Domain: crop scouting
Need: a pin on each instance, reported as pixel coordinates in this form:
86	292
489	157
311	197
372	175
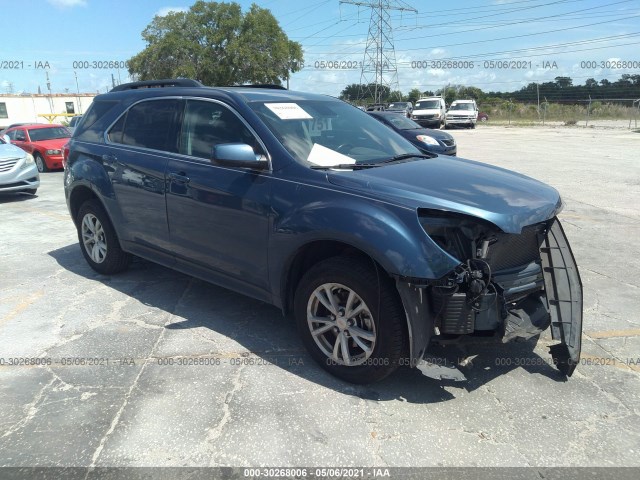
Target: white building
40	108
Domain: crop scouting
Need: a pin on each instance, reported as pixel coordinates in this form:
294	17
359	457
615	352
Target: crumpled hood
8	151
505	198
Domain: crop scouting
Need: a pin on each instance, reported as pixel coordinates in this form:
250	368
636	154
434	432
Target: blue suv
377	249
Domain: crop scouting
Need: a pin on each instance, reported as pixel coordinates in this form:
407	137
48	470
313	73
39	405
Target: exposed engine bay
506	286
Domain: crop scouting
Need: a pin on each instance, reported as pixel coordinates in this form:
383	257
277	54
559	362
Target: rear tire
40	163
357	319
98	240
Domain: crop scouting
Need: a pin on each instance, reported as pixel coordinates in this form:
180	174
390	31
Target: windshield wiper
405	156
357	166
345	166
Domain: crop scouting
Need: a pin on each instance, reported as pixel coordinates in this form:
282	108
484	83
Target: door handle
180	177
109	159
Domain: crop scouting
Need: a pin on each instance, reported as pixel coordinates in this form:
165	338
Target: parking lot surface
155	368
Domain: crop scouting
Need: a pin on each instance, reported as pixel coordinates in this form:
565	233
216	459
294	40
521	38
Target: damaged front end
506	286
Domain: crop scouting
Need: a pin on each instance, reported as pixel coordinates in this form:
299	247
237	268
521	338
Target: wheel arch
78	196
311	254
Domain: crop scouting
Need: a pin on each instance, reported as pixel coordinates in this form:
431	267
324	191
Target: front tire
98	240
40	163
350	319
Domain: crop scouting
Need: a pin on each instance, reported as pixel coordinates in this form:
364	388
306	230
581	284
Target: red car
44	142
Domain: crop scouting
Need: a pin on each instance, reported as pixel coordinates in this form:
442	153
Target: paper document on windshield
288	111
325	157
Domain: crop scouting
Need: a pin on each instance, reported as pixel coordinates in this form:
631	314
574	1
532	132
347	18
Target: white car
462	113
18	171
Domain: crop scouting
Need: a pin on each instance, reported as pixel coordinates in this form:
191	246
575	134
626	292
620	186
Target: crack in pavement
30	409
216	431
127	396
608	277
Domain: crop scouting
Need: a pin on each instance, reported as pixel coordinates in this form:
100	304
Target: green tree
215	43
364	94
414	95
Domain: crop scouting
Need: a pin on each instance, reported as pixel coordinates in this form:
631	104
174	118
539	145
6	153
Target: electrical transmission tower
379	67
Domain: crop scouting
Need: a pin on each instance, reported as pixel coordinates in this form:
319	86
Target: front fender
389	234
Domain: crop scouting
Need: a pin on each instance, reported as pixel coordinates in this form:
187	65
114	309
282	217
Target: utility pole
49	88
78	90
113	81
379	67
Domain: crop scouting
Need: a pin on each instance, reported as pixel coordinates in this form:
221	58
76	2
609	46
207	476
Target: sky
496	45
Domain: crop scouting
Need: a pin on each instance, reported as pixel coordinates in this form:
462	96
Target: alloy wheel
93	238
341	324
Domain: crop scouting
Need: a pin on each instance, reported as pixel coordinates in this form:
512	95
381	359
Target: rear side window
149	124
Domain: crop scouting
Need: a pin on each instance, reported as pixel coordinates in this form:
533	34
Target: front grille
513	250
449	143
8	164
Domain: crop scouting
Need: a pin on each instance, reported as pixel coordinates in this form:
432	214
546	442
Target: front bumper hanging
564	296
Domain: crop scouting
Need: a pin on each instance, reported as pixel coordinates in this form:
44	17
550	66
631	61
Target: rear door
136	157
219	216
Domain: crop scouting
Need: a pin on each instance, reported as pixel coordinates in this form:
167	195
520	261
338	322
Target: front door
219	216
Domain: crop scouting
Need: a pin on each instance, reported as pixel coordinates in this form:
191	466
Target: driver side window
207	124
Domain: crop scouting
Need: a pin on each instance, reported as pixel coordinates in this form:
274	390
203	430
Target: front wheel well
80	195
309	255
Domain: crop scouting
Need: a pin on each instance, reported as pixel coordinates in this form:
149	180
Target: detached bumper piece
564	296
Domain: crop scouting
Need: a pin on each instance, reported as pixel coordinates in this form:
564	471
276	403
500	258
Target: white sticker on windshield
288	111
326	157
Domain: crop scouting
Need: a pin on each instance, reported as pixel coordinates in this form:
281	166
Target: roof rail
167	82
262	85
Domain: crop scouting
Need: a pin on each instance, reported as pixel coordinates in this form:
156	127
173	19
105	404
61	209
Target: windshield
462	106
51	133
398	106
401	123
320	132
427	104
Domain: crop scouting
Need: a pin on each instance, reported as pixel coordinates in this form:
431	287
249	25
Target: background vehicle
426	139
307	203
462	113
376	107
402	107
18	172
483	117
429	112
4	130
44	142
73	122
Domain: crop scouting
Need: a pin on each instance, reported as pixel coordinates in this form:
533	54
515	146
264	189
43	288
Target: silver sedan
18	171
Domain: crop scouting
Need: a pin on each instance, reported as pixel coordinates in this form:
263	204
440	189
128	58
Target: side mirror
237	155
6	138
